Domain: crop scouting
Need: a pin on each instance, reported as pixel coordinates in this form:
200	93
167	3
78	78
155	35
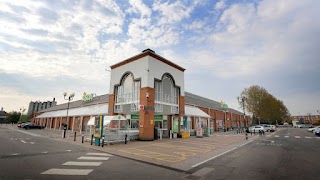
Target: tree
263	105
14	117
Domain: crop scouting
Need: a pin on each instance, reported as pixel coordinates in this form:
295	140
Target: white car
313	129
256	129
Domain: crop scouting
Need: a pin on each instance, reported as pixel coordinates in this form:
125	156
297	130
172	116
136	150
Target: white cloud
252	39
172	13
139	7
195	25
220	5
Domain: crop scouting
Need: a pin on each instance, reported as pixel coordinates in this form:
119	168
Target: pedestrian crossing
89	160
296	137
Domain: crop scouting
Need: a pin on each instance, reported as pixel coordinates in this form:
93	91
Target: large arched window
166	94
128	92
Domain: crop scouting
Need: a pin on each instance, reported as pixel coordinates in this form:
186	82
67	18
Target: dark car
32	126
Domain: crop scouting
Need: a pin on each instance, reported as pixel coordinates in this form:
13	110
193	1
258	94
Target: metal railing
127	98
120	135
166	98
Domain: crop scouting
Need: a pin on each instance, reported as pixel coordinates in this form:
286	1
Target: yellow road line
153	155
183	148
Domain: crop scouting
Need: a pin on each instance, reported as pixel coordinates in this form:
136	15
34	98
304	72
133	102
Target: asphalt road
28	156
286	154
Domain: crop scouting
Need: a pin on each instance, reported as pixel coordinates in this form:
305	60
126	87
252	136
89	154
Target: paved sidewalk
181	154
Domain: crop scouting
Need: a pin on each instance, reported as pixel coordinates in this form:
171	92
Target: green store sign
175	125
87	97
135	116
156	117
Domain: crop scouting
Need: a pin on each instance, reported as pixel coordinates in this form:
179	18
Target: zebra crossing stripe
297	136
98	154
75	163
286	136
93	158
75	172
307	137
276	136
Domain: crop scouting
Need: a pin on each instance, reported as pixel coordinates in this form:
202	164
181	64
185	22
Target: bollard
64	133
102	143
91	138
254	132
251	133
246	136
125	139
82	137
75	136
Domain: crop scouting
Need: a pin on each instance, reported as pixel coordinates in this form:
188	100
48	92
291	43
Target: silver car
256	128
267	127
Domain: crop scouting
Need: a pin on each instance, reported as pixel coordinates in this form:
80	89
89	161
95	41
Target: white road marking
276	136
93	158
23	141
75	163
308	137
220	154
268	135
297	136
31	142
68	150
317	137
45	152
79	172
270	141
15	154
286	136
98	154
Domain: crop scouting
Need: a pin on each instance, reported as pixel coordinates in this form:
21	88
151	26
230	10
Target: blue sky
48	47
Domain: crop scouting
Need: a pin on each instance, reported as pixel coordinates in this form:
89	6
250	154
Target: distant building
39	106
3	116
306	119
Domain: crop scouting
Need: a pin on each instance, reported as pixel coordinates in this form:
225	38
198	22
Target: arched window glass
128	84
167	85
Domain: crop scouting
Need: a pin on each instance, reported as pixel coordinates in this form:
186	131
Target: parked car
313	129
267	127
19	124
32	126
256	129
317	132
24	124
308	126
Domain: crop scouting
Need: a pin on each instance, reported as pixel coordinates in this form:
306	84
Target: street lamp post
309	114
22	110
242	99
71	96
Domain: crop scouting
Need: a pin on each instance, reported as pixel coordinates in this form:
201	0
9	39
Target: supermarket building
148	90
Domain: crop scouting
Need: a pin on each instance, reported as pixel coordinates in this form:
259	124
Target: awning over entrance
195	111
99	109
107	119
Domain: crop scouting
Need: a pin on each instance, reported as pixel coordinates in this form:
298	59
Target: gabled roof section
79	103
148	52
196	100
